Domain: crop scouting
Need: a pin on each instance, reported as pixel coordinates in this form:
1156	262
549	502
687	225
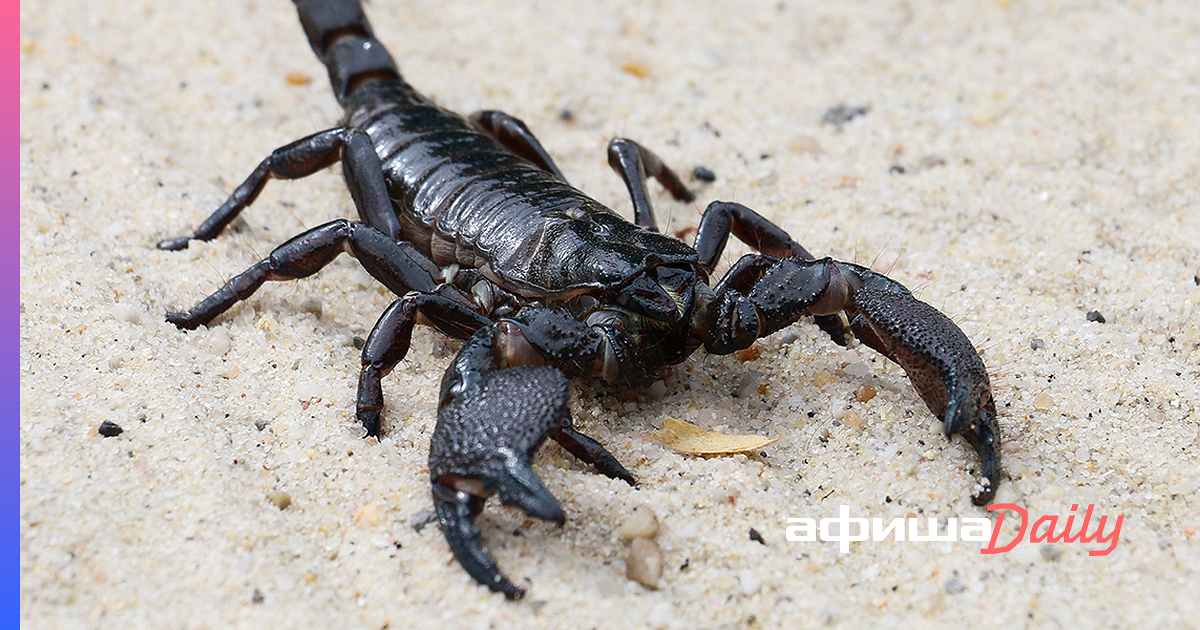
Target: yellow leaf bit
686	437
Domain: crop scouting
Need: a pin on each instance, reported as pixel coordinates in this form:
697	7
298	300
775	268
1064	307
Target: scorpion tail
341	36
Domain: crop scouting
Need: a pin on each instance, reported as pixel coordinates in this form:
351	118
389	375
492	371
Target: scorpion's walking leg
512	133
763	294
634	163
498	404
447	309
363	171
399	266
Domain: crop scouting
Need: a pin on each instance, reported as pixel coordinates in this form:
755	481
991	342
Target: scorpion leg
763	295
363	171
513	134
498	405
634	163
399	266
447	309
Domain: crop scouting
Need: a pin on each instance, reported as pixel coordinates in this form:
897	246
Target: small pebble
1043	402
219	342
756	537
1037	344
953	585
642	523
109	429
229	371
256	597
1095	316
1051	552
842	114
704	174
657	390
423	518
280	498
644	565
370	515
864	392
852	420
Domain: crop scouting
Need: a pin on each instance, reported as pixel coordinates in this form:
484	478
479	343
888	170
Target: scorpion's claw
488	429
940	361
456	511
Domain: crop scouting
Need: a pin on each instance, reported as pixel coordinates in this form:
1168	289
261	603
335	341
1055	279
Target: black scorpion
470	222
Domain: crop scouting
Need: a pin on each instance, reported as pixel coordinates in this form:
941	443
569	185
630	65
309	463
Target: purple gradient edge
10	285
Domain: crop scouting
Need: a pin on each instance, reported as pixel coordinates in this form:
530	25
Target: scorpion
472	225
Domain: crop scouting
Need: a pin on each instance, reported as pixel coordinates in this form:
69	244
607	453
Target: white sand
1052	160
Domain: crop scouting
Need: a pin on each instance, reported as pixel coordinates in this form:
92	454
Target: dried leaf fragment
686	437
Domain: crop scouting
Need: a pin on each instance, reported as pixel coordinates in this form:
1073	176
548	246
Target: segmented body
463	198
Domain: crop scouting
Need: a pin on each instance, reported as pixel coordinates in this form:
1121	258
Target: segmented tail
340	34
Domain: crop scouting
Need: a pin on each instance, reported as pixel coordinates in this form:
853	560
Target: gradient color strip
10	288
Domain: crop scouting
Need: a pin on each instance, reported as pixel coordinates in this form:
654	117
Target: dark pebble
1095	316
842	114
896	169
704	174
109	429
756	537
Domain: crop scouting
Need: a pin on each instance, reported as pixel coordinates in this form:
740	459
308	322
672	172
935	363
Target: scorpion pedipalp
761	294
940	361
490	423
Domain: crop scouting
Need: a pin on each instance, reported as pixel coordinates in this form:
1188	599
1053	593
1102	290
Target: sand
1051	163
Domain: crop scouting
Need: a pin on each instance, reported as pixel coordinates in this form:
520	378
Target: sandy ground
1051	163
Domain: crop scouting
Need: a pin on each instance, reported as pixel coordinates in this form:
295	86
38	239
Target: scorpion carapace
471	224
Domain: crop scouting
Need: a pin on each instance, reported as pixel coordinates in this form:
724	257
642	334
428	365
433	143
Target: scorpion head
663	293
646	273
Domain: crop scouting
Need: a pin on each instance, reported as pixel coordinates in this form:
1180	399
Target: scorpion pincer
471	224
